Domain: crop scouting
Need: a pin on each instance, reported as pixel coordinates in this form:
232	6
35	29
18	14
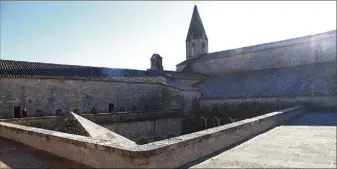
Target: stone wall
169	153
71	125
198	48
188	97
46	122
190	147
310	102
144	132
139	127
186	82
171	98
142	127
212	113
304	53
53	97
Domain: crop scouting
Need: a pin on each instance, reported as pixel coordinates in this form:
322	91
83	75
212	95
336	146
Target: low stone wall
137	126
188	148
110	118
315	101
46	122
169	153
49	122
85	150
148	131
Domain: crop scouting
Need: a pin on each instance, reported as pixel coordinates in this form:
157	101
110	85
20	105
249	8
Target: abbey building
298	70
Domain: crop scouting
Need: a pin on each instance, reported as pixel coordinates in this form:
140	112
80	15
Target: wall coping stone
115	116
266	97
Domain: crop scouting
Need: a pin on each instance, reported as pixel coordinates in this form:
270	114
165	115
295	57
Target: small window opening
111	107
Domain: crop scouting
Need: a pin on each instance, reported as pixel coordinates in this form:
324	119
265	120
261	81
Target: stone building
204	86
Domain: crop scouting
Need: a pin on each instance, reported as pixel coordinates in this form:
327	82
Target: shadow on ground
16	155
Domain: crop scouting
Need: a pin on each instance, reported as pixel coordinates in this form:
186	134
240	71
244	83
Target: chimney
156	63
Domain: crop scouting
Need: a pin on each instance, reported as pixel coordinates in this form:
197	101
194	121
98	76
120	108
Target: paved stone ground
15	155
305	142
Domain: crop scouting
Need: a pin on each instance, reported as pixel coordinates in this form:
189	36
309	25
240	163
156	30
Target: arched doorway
216	121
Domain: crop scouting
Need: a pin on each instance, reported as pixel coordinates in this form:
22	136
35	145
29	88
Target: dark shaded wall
211	113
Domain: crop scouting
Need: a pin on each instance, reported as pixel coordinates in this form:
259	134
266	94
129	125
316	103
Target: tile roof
183	75
260	47
181	86
306	80
185	84
22	69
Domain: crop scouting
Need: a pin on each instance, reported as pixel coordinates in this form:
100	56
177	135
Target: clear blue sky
126	34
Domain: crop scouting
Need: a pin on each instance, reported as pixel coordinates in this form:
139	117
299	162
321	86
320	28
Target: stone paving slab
304	142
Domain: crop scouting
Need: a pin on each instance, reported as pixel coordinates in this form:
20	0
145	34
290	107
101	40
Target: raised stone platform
305	142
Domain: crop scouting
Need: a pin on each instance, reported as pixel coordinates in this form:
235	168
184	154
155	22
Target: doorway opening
17	112
111	107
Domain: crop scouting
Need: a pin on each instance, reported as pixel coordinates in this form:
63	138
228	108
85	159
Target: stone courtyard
305	142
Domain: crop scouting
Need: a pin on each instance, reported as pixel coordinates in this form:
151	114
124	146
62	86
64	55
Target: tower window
318	54
192	48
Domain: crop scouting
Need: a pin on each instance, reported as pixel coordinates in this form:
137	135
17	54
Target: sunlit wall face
113	33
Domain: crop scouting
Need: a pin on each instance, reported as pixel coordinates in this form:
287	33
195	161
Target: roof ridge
263	46
78	66
275	68
283	40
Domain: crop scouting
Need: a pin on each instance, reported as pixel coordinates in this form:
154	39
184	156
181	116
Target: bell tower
196	40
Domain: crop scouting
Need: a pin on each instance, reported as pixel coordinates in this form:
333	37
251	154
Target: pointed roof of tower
196	29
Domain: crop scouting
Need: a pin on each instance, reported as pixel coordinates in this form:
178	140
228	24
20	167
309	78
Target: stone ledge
153	147
232	133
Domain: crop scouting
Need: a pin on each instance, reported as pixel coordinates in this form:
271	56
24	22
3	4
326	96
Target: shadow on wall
315	119
145	105
93	110
204	117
